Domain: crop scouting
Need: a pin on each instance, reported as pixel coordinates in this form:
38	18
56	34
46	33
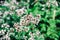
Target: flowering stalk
54	14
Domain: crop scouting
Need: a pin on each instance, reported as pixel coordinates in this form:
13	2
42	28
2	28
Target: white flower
5	25
7	12
12	7
30	16
16	25
6	37
20	11
31	34
48	4
55	3
31	38
25	20
37	32
13	1
22	22
2	32
6	4
35	21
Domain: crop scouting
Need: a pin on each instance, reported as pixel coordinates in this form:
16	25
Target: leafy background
49	24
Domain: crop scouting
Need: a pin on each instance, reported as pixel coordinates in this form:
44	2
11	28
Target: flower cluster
29	20
49	3
25	20
3	36
20	11
34	35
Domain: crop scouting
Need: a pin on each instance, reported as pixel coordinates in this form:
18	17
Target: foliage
48	27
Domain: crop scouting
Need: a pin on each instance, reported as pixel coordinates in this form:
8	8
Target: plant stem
54	14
